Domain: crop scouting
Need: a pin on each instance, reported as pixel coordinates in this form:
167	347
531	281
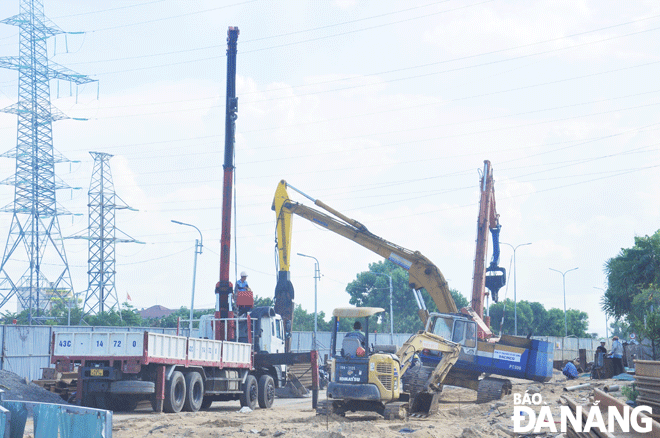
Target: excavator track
491	389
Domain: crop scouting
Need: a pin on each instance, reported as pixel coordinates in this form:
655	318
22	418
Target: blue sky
384	110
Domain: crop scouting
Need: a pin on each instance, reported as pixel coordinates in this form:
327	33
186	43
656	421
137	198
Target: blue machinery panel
53	420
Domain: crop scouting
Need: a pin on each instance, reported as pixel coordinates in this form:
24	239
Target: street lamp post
607	334
515	300
317	276
563	274
198	250
391	311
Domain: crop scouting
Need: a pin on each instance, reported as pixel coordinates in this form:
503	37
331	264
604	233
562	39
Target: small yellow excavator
379	378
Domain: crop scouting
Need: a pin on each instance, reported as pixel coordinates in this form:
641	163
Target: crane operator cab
364	377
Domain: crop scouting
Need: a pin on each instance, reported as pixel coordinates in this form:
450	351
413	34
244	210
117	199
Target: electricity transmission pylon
102	235
35	226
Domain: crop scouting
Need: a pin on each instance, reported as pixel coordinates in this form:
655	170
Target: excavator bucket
496	280
424	404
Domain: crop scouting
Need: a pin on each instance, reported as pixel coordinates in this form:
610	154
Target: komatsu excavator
509	356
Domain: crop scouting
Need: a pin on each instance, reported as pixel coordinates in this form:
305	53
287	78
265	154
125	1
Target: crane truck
510	356
238	355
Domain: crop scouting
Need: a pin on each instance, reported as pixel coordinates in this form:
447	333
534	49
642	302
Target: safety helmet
243	274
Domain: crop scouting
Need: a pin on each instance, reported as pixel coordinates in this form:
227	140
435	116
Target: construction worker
242	285
617	356
357	332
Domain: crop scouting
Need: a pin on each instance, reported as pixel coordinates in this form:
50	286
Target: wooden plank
605	400
647	368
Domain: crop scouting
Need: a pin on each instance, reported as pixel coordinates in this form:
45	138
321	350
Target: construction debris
63	384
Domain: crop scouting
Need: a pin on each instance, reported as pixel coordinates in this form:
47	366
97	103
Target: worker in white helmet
242	283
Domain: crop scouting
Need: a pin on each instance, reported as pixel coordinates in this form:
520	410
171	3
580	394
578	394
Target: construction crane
488	220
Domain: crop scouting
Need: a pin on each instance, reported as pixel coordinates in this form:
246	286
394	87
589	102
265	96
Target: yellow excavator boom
422	273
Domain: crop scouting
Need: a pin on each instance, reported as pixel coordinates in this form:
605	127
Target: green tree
645	318
127	316
459	299
577	323
371	290
534	319
523	310
633	289
304	322
620	328
265	301
628	274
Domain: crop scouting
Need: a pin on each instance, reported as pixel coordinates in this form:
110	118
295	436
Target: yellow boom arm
422	273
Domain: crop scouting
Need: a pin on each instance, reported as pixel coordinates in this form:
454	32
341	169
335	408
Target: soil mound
17	388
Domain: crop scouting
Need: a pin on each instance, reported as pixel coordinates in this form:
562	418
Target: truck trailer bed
145	348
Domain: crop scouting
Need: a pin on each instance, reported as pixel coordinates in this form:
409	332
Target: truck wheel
266	391
207	402
194	392
249	395
175	393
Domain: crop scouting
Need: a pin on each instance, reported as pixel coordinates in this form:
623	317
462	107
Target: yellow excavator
378	378
510	356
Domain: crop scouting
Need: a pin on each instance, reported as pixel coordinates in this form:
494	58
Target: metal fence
25	350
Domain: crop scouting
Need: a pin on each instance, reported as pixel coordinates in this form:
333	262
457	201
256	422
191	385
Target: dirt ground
459	416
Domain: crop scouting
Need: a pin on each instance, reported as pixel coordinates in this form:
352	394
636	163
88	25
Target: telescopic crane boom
224	289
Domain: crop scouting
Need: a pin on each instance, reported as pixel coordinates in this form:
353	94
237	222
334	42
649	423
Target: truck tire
207	402
175	393
194	392
266	391
249	395
132	387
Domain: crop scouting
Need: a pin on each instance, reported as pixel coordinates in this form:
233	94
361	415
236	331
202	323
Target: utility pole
198	250
563	275
102	236
317	276
35	225
515	299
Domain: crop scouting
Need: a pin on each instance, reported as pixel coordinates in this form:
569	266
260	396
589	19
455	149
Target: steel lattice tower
103	202
35	226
